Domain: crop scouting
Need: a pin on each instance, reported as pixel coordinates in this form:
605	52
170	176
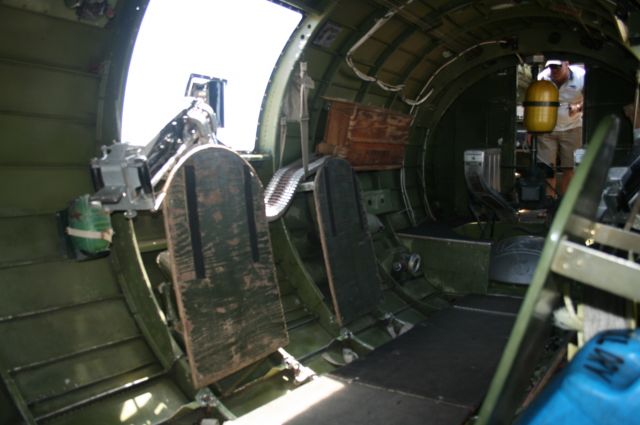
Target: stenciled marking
604	364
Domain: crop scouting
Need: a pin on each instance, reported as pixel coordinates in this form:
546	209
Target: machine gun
126	176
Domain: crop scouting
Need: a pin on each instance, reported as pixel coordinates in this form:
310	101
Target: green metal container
89	226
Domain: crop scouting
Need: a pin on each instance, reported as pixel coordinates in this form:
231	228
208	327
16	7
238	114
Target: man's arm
575	108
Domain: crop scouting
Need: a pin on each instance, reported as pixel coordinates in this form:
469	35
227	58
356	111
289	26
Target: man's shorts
568	141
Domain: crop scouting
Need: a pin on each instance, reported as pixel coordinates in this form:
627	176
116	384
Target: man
567	134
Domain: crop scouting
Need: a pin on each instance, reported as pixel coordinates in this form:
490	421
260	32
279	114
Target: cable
420	100
395	88
405	195
363	39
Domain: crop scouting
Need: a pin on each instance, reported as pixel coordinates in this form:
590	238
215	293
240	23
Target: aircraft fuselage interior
413	237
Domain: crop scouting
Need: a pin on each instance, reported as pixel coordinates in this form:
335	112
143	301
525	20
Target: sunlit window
238	41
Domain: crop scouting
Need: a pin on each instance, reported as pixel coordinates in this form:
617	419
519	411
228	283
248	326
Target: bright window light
238	41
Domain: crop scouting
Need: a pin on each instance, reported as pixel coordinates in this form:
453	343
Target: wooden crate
369	137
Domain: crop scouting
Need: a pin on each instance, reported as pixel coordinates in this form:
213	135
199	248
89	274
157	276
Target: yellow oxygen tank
541	107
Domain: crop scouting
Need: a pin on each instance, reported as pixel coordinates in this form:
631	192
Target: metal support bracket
598	269
394	326
204	399
347	335
17	397
593	232
306	187
301	372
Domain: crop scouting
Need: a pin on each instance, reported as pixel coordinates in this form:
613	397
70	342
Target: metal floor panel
437	373
450	357
336	402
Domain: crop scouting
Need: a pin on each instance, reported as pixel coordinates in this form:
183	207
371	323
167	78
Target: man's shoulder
577	71
545	74
576	81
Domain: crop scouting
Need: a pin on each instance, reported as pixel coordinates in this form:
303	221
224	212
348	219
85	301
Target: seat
347	247
222	264
514	259
482	174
